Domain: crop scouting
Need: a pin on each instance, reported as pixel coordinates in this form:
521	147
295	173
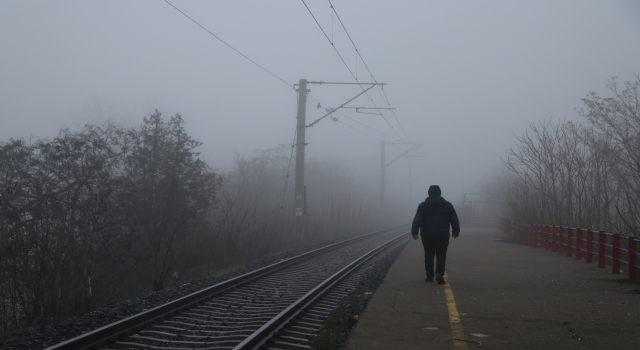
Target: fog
107	194
464	77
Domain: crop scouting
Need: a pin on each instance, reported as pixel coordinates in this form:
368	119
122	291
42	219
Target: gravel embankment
336	332
56	333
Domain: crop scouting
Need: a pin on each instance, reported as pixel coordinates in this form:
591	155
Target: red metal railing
579	242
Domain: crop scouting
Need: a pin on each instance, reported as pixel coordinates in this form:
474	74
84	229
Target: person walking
432	219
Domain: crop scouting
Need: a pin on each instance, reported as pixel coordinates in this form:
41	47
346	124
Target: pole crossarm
339	83
367	108
342	105
403	143
362	108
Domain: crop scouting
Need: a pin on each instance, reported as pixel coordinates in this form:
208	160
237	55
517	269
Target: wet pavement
506	296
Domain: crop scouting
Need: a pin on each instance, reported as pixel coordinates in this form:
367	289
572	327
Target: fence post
602	240
578	243
549	237
589	246
633	273
560	241
539	236
569	240
554	239
615	254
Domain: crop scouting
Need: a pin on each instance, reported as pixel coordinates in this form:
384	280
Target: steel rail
100	335
264	333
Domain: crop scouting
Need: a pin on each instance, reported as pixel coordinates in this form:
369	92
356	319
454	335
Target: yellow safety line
454	317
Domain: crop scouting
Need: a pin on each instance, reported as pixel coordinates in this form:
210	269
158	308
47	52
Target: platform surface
516	296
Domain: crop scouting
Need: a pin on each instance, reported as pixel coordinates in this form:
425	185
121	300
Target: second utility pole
300	202
382	168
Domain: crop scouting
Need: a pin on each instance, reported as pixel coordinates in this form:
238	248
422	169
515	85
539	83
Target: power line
231	47
346	116
286	181
282	80
358	130
326	36
369	70
345	63
354	44
394	114
348	132
366	126
316	103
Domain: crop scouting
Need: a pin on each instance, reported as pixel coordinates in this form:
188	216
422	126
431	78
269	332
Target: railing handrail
574	241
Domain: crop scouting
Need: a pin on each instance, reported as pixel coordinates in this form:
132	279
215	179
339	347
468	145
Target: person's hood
435	201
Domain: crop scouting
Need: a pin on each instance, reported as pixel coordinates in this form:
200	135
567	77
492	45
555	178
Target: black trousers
435	246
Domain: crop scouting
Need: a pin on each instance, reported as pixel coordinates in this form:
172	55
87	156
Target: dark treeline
581	175
106	213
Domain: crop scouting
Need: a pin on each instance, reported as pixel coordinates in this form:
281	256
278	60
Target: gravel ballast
339	325
56	333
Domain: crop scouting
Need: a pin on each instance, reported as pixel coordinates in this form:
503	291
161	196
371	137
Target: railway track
280	306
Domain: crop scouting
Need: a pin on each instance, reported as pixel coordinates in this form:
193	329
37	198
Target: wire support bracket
332	110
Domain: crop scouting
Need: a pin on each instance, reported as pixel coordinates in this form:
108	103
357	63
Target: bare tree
589	176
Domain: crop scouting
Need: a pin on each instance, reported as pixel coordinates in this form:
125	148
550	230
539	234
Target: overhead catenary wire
262	68
330	40
358	130
350	39
368	127
228	45
326	36
347	131
345	63
394	114
367	67
286	181
346	116
316	103
289	85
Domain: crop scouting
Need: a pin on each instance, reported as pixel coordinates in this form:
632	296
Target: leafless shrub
108	213
588	176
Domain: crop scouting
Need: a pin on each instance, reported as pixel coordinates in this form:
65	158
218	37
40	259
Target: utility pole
299	199
382	168
300	196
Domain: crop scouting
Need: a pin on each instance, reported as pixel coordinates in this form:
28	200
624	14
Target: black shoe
439	278
428	279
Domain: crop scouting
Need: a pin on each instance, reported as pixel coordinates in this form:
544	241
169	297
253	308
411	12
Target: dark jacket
433	218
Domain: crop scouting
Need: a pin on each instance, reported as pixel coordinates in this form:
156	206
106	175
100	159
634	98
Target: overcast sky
464	76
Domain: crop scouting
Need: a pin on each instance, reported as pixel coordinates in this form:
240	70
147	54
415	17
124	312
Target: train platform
502	295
